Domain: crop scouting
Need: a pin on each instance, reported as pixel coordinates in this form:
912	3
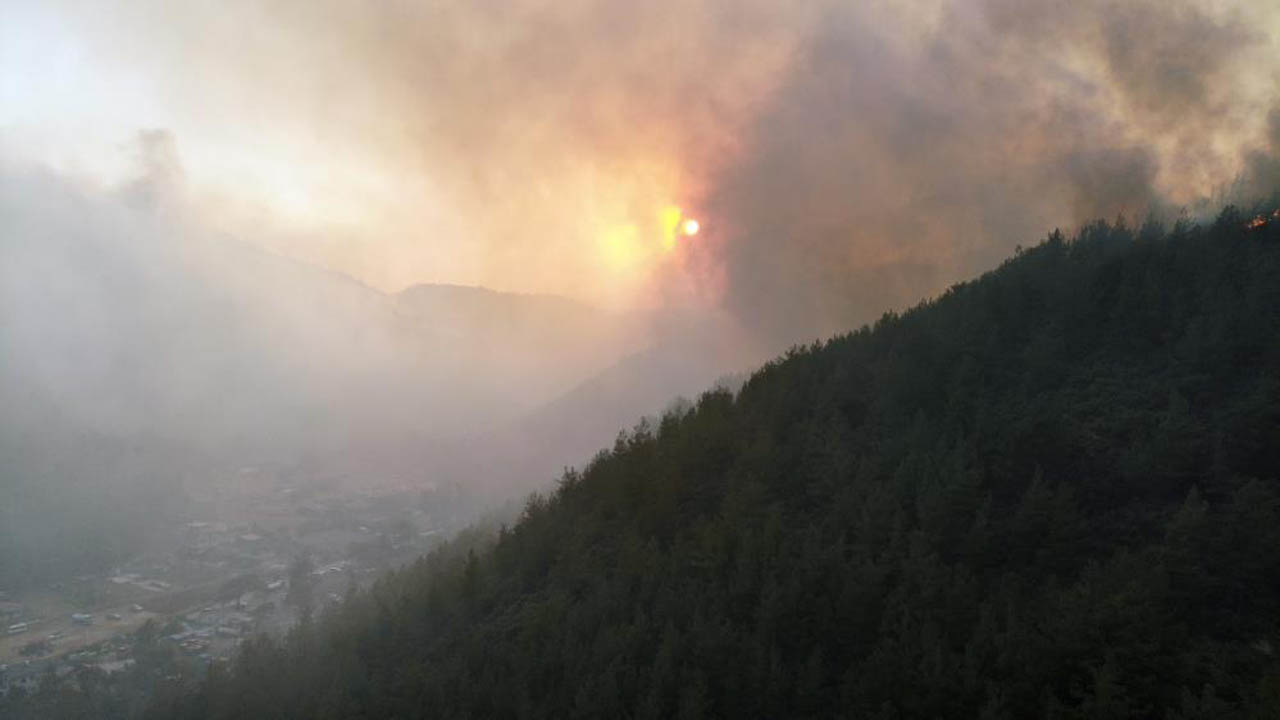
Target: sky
840	157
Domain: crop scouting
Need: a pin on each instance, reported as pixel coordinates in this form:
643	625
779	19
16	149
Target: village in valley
252	556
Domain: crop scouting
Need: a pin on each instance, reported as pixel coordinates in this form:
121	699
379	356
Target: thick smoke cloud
893	160
126	318
845	157
849	157
496	143
1263	170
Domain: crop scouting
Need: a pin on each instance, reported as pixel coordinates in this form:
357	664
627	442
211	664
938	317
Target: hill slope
1051	492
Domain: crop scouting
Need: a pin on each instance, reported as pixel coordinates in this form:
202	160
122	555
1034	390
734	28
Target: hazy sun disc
690	227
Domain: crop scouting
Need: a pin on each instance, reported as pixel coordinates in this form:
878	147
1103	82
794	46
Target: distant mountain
1051	492
136	347
538	346
465	307
528	452
130	321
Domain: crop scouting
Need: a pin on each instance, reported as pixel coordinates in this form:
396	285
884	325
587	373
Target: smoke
844	157
1262	177
847	157
897	158
126	317
496	143
159	178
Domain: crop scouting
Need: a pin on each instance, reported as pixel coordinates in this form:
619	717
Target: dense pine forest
1051	492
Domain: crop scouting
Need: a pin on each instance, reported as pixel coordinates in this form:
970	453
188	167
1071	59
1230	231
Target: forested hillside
1051	492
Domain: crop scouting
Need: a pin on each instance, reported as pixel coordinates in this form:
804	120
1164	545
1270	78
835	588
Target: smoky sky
883	171
845	157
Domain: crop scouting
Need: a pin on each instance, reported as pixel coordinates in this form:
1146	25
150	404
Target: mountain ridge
1050	492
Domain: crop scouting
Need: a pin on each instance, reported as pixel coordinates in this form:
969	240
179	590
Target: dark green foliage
1051	492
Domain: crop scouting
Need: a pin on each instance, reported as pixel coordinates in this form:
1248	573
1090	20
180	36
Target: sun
674	224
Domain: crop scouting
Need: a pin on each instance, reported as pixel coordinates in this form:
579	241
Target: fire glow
1261	220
